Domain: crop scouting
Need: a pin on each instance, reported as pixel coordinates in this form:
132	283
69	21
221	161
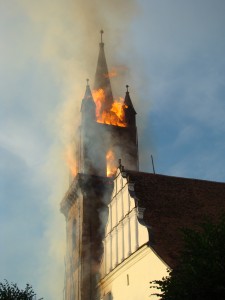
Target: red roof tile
173	203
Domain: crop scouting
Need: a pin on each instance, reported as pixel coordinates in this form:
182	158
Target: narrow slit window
128	279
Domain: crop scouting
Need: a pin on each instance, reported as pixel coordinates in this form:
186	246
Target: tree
200	273
10	291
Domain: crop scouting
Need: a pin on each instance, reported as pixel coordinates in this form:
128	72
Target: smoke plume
68	33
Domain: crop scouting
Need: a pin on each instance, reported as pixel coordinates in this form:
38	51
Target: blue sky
173	54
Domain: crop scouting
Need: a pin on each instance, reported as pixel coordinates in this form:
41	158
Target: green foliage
10	291
200	274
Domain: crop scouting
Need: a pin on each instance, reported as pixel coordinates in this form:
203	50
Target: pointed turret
88	133
129	110
88	107
102	80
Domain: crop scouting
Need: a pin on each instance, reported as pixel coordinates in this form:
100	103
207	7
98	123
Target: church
123	225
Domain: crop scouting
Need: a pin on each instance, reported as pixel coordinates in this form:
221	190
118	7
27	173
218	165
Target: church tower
107	133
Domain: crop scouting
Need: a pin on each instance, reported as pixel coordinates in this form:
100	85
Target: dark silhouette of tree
200	273
10	291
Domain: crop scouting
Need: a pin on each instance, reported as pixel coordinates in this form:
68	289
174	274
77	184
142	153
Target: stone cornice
70	196
84	183
131	188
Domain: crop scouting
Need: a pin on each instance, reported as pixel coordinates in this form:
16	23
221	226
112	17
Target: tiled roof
173	203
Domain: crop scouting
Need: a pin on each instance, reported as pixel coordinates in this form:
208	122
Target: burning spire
108	110
100	146
102	81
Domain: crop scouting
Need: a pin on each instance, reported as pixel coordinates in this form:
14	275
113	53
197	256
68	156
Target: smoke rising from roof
68	33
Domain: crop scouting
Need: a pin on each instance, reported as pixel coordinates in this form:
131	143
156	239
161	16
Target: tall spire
129	110
88	105
88	94
102	80
128	102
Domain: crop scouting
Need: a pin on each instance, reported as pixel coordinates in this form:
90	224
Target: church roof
171	203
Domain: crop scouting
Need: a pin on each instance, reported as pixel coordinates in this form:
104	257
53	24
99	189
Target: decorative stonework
123	233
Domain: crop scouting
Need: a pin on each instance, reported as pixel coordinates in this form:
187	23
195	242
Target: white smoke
68	32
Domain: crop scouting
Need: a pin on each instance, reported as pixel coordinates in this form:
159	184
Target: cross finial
101	32
127	86
87	81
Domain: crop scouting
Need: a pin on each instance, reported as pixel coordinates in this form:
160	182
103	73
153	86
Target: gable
123	234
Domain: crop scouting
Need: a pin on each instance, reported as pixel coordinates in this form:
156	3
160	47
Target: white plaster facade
128	263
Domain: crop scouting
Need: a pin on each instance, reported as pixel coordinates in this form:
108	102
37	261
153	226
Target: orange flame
116	71
115	116
110	164
99	98
111	74
71	161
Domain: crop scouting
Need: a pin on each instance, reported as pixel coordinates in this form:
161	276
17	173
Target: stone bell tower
85	203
